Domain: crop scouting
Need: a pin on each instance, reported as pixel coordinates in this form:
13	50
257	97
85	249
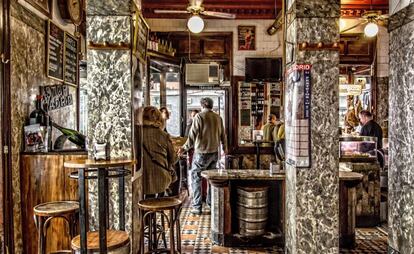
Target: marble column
312	194
382	91
109	90
401	131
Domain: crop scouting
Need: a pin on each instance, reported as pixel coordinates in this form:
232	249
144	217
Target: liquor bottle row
161	45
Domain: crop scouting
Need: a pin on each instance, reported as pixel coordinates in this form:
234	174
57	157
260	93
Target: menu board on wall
298	116
71	60
55	47
141	38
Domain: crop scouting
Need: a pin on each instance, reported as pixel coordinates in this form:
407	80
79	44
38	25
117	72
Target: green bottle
74	136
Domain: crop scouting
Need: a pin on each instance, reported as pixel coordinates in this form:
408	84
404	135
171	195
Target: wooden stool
117	242
152	207
45	212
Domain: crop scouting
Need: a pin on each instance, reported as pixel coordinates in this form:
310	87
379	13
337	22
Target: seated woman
159	156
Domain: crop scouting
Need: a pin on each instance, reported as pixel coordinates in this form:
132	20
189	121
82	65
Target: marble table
224	221
224	201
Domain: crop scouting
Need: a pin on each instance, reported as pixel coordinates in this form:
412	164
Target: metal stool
45	212
151	207
117	242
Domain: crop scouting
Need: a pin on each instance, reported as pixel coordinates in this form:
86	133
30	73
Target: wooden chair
45	212
118	242
150	208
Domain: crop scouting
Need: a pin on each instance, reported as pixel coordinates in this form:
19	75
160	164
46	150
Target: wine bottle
74	136
38	115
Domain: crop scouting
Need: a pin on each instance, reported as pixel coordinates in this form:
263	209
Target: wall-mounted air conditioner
202	74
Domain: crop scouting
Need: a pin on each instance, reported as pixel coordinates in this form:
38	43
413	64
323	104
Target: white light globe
371	29
195	24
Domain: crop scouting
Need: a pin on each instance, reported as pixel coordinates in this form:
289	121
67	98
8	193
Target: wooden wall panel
44	179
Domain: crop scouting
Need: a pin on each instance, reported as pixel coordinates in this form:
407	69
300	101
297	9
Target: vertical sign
55	44
298	116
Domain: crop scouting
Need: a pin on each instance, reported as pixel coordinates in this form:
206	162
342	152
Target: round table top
114	239
159	203
56	208
98	164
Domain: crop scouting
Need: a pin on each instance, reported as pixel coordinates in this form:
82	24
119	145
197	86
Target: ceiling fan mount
195	7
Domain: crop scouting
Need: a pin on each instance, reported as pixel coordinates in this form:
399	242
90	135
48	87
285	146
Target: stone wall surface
28	61
312	193
401	132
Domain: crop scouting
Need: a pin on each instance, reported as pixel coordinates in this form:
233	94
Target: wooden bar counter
44	179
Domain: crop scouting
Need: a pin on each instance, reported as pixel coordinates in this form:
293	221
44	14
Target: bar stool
45	212
230	158
117	242
152	207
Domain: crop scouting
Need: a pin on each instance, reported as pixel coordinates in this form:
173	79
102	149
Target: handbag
172	172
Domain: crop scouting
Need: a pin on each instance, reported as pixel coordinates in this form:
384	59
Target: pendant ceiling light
371	29
195	24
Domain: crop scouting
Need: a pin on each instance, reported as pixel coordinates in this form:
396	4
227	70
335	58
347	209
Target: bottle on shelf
74	136
156	43
38	115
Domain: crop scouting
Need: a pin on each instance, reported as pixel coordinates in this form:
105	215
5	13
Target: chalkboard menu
71	60
141	38
55	54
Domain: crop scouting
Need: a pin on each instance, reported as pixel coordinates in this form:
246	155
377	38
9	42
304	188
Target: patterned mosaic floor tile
195	235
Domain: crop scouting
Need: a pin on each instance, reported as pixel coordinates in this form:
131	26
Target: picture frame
141	35
246	37
43	6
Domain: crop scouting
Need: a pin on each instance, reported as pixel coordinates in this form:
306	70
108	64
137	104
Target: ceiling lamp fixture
371	29
195	24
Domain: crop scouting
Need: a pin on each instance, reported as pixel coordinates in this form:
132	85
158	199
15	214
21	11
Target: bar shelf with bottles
160	45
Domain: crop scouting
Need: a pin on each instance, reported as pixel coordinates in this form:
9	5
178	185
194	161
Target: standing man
370	127
205	136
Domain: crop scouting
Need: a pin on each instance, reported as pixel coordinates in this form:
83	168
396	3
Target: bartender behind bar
370	127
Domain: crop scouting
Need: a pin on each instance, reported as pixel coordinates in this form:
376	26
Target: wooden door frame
5	98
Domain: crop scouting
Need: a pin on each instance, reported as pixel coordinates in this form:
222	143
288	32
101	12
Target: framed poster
55	52
71	60
246	36
141	35
43	6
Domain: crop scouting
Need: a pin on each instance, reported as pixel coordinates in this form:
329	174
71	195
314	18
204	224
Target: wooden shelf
163	57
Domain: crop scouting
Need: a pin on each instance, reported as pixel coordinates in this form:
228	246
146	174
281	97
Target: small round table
103	168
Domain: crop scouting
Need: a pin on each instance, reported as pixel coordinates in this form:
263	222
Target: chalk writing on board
56	96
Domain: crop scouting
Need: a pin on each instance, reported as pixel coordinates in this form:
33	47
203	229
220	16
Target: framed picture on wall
141	34
246	36
43	6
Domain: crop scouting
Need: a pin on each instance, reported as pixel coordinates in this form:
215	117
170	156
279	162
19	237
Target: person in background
159	156
269	127
166	116
190	122
205	136
280	143
370	127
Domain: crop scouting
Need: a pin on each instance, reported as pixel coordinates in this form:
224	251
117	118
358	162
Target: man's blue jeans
201	162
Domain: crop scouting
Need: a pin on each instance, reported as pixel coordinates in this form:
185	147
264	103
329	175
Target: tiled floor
196	238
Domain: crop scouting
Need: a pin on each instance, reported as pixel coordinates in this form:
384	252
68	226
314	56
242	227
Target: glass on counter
357	149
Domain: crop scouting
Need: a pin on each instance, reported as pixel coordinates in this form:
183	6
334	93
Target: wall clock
71	10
